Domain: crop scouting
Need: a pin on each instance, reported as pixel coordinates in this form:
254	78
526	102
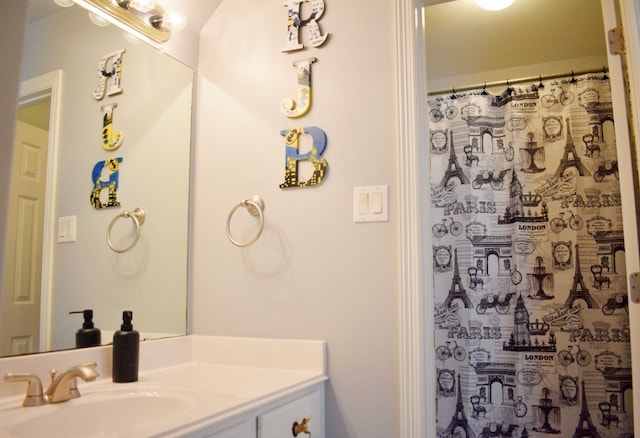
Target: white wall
314	273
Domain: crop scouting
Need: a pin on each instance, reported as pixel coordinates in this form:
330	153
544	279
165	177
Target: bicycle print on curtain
531	311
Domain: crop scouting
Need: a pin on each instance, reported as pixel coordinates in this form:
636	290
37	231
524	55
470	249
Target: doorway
417	416
26	307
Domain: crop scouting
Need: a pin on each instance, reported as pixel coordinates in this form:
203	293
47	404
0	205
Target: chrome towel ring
255	206
138	216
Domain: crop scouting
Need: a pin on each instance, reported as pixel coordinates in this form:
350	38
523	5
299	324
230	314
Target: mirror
71	267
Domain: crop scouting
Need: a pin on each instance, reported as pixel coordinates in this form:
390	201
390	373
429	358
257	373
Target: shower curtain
531	311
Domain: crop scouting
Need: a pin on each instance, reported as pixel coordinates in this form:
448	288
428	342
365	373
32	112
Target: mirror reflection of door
20	306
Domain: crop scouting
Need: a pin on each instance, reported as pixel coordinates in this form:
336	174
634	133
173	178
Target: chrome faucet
63	386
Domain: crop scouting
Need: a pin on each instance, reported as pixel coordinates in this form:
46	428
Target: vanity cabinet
293	418
288	417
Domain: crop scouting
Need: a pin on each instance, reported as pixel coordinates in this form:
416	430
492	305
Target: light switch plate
66	229
371	204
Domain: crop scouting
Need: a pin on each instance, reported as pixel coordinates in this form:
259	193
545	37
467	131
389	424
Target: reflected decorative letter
112	168
294	23
111	139
288	106
293	157
113	75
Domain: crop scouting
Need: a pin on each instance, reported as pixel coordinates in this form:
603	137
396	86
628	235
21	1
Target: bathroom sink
112	411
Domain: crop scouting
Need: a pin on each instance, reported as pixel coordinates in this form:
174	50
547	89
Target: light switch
363	207
66	229
376	203
371	204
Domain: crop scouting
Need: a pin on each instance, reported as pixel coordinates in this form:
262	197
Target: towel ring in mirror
138	216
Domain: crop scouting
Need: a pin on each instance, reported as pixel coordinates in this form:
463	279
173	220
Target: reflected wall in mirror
154	114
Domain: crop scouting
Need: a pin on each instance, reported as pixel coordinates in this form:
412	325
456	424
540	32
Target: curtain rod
603	70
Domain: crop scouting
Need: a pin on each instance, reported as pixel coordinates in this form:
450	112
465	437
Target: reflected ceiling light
143	18
494	5
98	20
64	3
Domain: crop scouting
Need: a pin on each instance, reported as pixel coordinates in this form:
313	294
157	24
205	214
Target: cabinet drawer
280	421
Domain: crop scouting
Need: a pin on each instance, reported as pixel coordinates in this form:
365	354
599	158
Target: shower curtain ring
509	89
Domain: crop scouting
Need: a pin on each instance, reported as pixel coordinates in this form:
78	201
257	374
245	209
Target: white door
20	314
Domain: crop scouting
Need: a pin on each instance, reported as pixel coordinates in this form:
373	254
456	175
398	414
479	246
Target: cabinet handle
302	427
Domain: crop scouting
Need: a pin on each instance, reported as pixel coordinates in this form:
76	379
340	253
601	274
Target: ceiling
462	38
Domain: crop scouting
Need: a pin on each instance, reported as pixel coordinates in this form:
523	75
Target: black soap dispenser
88	335
126	348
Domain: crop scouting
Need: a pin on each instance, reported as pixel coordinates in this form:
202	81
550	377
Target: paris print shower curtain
531	311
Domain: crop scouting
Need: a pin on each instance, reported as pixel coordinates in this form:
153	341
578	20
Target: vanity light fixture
142	18
494	5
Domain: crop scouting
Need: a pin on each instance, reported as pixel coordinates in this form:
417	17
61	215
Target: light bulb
173	21
494	5
143	6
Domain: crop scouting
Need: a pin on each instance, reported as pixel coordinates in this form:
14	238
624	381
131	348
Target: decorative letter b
293	157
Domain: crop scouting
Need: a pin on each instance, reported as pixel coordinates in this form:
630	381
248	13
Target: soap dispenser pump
88	335
126	348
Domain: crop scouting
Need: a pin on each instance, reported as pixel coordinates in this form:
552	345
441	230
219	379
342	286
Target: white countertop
218	377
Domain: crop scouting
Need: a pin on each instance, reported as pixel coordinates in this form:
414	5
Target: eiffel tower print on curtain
566	162
459	419
457	290
585	425
454	170
579	291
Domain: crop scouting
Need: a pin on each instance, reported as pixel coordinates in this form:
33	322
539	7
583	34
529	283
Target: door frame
417	363
48	84
629	17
